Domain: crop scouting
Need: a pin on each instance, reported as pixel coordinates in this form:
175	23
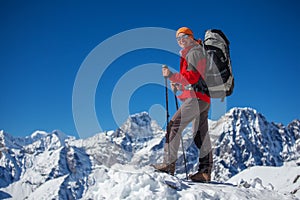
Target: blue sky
45	43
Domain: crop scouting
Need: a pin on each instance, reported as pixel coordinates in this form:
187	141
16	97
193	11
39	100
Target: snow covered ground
284	179
128	182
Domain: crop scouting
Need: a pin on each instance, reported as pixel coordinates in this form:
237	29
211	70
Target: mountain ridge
242	138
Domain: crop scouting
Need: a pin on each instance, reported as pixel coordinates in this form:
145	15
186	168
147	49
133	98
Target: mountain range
57	166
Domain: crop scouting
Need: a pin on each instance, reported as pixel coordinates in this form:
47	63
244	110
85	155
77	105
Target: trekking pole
167	117
184	159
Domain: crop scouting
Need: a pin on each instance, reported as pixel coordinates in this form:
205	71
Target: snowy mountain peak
248	139
246	114
38	135
140	119
294	125
37	142
134	134
139	125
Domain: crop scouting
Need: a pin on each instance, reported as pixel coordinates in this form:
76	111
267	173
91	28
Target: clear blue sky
44	44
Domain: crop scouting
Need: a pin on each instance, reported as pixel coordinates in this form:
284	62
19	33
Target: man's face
184	40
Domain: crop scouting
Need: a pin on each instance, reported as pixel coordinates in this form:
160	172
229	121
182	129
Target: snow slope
284	179
128	182
115	164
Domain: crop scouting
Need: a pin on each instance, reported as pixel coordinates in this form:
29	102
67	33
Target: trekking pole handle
166	71
166	91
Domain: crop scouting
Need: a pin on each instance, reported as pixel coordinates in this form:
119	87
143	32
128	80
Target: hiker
194	108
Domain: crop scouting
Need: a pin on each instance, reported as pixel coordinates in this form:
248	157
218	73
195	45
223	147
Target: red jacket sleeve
191	68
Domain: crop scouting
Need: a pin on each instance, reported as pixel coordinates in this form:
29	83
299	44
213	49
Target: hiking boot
200	177
163	167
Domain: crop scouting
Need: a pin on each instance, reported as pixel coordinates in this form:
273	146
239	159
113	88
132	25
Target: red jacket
192	66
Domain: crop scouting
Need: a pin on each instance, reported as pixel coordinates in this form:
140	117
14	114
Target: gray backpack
219	80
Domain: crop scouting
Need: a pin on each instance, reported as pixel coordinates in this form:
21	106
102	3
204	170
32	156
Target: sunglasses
183	36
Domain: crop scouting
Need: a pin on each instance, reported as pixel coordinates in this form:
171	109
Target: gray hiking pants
195	111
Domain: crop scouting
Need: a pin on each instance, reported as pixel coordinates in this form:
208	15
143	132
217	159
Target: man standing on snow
194	108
